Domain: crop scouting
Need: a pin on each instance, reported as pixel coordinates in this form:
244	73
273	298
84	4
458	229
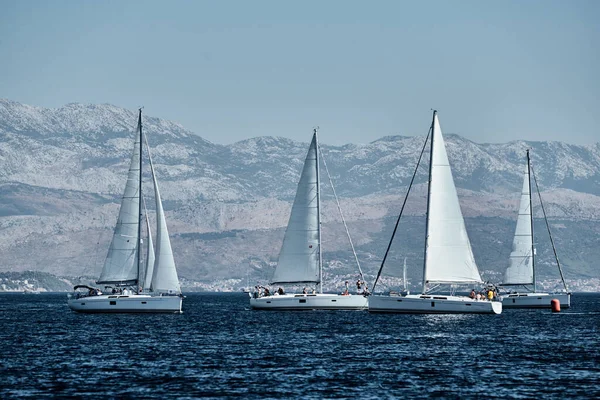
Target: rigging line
549	232
97	251
402	209
149	157
341	214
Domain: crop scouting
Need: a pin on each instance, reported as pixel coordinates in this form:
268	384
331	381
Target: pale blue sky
230	70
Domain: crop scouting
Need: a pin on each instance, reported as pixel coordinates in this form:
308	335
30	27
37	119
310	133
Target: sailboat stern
496	307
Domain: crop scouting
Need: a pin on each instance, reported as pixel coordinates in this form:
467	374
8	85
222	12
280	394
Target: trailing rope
549	233
341	215
402	209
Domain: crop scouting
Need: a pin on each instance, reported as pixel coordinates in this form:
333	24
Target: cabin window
433	304
467	304
399	300
143	302
334	300
113	303
83	304
302	300
513	301
268	302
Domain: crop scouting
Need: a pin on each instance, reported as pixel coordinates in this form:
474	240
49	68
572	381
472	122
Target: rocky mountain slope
62	173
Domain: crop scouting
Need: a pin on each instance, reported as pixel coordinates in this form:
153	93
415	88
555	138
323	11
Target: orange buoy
555	303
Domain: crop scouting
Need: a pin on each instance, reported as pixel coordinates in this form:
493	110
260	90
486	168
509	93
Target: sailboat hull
535	300
299	302
429	304
126	304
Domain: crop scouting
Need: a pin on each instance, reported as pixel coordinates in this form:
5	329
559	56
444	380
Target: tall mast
139	238
318	211
428	203
404	274
531	221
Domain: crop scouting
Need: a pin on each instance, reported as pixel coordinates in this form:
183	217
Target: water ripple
220	348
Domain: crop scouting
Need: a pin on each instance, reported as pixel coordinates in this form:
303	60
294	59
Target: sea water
220	348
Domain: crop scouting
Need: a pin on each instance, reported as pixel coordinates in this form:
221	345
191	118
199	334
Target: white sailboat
130	287
300	260
448	255
521	266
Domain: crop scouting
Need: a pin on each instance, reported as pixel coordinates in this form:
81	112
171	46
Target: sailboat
300	258
521	266
131	286
448	255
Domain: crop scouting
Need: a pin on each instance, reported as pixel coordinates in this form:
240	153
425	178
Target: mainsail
299	256
520	264
120	266
449	257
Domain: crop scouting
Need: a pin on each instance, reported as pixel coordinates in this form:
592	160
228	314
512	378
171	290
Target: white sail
120	265
520	264
299	256
149	257
164	278
449	258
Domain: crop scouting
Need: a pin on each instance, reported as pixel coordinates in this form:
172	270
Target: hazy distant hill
62	172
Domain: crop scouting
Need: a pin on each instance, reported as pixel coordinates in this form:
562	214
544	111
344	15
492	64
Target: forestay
299	256
120	265
520	264
449	258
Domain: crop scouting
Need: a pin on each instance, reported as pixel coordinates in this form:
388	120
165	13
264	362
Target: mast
404	274
428	203
139	237
531	221
318	210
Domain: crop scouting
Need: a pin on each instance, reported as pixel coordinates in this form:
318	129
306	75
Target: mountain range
62	172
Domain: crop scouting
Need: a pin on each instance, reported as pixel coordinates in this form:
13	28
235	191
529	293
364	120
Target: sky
230	70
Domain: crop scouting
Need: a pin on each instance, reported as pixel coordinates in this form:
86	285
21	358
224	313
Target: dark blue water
220	348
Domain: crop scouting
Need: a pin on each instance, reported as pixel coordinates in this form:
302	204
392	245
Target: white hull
135	303
432	304
310	302
535	300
